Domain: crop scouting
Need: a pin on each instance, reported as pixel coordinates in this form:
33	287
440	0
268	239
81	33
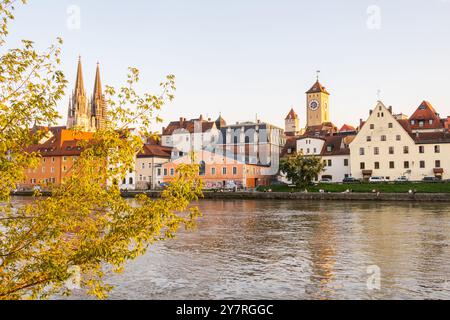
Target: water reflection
298	250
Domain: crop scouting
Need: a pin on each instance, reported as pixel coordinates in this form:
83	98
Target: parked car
351	180
377	179
431	179
37	188
326	180
402	179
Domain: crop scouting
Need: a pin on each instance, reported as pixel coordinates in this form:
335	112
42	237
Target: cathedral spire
79	85
98	84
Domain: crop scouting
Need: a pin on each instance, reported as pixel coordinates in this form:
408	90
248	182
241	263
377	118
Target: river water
299	250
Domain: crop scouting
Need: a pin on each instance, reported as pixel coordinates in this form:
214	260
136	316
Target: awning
367	172
438	170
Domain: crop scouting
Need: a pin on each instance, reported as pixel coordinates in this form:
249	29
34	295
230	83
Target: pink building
218	171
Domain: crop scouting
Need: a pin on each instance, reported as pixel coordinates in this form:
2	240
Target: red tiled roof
63	143
150	151
291	115
347	128
425	113
189	126
317	88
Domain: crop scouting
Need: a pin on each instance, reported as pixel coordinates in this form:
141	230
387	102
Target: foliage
86	228
301	170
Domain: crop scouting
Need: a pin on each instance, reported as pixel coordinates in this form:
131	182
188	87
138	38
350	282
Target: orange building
218	171
58	153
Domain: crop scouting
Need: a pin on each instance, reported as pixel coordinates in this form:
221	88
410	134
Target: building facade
219	171
149	166
393	147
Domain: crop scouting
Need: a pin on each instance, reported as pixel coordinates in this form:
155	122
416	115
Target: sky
255	58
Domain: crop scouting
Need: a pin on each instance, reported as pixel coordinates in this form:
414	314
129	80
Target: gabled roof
291	115
152	150
347	128
317	88
189	125
424	113
335	146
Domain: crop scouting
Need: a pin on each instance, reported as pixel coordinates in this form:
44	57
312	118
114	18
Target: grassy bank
368	187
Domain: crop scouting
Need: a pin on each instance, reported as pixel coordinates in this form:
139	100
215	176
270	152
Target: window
398	138
130	181
391	150
406	164
377	165
406	150
224	170
390	125
124	181
52	170
413	122
391	165
372	126
362	165
376	151
202	169
369	138
172	172
437	163
383	138
329	148
325	163
346	163
140	177
213	171
158	171
361	151
165	172
64	159
422	164
421	123
437	149
421	149
330	163
143	165
234	171
430	121
53	159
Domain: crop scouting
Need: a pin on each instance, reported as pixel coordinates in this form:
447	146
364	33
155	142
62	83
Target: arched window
131	180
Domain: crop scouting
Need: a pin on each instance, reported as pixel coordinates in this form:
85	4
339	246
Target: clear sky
248	57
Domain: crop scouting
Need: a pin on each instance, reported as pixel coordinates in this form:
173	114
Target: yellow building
318	105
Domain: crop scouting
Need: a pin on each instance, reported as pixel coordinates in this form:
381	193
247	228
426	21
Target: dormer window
421	123
430	121
413	122
329	148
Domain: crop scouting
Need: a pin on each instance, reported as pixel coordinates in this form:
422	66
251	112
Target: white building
334	151
391	146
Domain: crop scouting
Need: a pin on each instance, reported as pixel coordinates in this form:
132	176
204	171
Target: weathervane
318	73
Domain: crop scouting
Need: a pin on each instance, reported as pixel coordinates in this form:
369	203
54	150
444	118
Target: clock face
314	105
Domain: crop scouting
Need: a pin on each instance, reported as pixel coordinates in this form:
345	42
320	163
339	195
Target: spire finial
317	74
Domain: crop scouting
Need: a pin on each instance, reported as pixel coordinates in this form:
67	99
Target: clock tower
317	105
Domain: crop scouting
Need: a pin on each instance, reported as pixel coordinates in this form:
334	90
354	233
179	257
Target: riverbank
311	196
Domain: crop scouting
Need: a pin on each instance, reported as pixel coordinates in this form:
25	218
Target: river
299	250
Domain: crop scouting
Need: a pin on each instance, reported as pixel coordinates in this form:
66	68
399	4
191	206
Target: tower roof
98	83
79	84
317	88
220	122
291	115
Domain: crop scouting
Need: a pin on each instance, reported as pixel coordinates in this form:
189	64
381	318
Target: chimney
360	123
390	109
201	118
181	122
370	112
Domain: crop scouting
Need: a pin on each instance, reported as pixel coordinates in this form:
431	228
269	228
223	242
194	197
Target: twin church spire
84	114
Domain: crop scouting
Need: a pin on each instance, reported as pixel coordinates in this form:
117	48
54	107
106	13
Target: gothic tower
317	99
98	104
79	111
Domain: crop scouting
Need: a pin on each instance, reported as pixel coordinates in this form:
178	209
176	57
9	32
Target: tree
301	170
85	228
